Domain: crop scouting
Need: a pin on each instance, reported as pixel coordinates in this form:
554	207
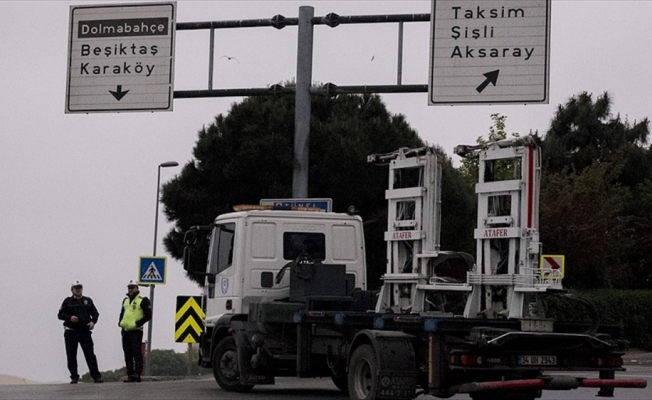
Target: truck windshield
222	248
294	243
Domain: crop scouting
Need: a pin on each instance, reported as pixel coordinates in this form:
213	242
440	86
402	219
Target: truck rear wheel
363	374
225	366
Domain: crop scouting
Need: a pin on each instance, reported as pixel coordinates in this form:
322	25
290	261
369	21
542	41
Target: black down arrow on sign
118	94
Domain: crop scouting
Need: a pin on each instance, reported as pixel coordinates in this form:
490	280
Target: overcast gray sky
78	191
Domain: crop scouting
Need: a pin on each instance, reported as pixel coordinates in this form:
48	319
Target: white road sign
121	58
487	51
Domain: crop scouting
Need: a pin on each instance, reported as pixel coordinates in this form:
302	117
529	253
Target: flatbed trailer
285	295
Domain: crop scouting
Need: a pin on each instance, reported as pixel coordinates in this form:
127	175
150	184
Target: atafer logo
123	27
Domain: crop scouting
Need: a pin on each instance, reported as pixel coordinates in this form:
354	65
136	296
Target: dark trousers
131	345
83	338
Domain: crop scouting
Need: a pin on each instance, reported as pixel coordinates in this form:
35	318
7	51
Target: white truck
286	294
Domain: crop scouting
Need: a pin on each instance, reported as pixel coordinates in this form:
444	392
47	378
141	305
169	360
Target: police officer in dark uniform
79	317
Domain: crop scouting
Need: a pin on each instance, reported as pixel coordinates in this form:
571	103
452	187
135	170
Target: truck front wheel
363	374
225	366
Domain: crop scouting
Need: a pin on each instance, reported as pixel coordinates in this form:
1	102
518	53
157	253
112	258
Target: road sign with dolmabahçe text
121	58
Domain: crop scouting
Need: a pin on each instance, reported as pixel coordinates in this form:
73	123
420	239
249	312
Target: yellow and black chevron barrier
189	321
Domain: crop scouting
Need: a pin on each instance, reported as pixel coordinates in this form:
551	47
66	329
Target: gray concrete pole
148	349
302	103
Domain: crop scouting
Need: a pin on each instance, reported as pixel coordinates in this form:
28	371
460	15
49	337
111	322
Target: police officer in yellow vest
136	311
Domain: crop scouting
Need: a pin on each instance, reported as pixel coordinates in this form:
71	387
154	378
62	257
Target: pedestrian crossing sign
152	270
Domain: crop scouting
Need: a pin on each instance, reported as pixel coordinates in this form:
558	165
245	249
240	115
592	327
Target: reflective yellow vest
132	313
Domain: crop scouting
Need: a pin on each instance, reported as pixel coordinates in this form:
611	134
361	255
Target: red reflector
316	313
470	360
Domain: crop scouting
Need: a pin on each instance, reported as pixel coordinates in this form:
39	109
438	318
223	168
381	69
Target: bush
166	363
108	376
631	309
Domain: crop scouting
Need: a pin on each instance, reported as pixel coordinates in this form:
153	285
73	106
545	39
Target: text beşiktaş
119	49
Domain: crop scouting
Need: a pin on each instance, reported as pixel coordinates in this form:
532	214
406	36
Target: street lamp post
151	286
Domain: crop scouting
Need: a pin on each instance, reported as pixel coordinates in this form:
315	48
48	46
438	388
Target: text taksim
490	13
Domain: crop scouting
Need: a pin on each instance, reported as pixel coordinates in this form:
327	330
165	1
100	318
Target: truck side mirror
193	249
190	237
187	257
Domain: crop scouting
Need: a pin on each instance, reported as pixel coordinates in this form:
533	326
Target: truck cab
249	249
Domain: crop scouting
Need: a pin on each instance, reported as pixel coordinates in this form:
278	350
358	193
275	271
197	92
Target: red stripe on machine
530	187
552	262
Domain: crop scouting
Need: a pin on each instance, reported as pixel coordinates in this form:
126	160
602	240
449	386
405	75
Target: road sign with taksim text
152	270
121	58
489	51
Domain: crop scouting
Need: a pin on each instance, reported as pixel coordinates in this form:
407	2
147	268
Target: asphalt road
285	389
638	364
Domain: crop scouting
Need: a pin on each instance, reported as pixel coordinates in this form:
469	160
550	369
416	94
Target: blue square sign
152	270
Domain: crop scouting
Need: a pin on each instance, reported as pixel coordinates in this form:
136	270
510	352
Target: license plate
537	360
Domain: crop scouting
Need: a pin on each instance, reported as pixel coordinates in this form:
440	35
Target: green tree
458	209
584	132
637	247
582	218
590	156
248	155
469	166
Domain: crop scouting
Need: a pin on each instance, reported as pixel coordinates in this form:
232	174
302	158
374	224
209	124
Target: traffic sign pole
152	270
